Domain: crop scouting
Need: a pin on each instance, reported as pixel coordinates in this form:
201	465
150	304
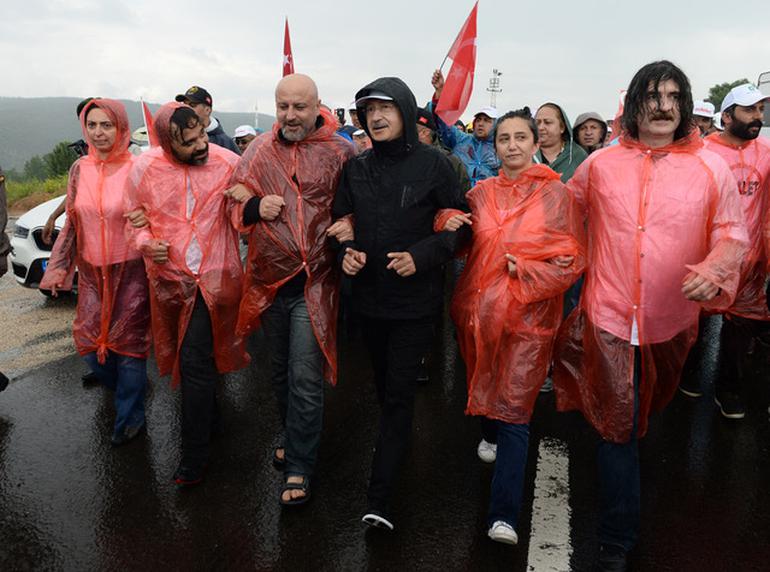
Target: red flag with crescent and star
288	58
459	84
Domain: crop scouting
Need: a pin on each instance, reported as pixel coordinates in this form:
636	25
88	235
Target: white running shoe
487	451
503	532
376	520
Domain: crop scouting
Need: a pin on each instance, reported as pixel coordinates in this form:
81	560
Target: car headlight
20	231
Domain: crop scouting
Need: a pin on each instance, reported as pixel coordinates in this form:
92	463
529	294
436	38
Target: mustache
756	123
657	115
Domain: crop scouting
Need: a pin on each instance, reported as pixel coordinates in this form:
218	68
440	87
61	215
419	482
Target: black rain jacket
393	192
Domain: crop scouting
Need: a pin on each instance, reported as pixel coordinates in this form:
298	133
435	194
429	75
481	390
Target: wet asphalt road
68	501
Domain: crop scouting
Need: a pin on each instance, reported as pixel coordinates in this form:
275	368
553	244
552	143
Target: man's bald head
297	106
297	83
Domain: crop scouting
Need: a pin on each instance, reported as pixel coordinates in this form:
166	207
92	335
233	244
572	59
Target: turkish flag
288	59
459	84
149	125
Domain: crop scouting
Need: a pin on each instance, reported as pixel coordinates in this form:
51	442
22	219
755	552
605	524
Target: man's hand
48	229
511	264
270	207
239	193
342	230
137	218
157	249
402	263
697	288
457	221
562	261
353	261
437	81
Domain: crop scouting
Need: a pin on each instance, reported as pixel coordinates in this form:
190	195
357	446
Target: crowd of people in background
590	254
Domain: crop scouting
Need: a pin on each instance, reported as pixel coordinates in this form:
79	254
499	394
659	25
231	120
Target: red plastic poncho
506	326
750	165
305	174
161	186
113	309
654	215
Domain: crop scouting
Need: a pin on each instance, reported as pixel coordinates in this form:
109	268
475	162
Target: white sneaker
503	532
377	521
486	451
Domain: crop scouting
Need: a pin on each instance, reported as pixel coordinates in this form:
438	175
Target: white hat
490	112
703	108
352	106
373	95
745	95
243	130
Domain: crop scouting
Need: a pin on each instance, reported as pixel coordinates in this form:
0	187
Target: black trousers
396	348
734	344
199	384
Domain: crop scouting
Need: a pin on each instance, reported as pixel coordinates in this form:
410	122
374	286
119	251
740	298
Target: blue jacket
478	156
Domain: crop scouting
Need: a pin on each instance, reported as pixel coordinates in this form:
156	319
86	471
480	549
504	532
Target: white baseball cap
243	130
703	108
373	95
490	112
745	95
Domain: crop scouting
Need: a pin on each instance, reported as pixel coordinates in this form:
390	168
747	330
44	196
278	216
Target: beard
295	135
743	130
194	160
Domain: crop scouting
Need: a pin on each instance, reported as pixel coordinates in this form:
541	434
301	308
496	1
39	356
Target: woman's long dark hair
636	104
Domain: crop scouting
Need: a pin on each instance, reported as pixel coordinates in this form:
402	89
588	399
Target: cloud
579	54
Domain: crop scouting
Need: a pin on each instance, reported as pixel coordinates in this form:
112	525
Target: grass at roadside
24	195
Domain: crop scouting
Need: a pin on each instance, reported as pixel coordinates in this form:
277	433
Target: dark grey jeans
297	377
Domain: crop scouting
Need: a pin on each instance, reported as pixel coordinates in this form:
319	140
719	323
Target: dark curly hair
649	78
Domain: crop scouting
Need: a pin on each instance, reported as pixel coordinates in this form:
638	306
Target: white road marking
550	548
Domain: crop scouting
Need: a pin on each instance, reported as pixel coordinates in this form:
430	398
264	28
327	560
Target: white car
29	254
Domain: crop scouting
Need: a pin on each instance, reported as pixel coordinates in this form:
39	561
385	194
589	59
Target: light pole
494	87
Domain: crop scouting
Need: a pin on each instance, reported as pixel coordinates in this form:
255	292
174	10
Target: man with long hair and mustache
666	237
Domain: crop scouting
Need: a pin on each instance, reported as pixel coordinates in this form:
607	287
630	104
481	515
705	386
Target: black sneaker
188	475
690	386
3	381
612	559
90	379
730	405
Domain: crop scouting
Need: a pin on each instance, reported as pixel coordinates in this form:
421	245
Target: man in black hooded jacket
394	191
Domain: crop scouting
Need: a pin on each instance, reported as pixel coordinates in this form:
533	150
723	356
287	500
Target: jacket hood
564	118
162	124
405	101
116	111
583	117
690	143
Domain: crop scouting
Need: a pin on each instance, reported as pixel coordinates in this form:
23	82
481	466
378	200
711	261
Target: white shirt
193	256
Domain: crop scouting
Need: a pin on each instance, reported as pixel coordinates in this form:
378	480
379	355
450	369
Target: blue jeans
508	479
127	377
619	488
297	377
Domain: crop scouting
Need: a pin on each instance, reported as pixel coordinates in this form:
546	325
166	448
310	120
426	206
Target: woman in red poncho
525	252
112	326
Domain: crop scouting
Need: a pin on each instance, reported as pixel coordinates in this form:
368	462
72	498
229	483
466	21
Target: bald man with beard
285	185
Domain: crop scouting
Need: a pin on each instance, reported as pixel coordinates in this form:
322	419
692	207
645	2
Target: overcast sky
577	53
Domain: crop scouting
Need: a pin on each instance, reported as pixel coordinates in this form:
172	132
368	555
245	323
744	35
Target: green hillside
32	126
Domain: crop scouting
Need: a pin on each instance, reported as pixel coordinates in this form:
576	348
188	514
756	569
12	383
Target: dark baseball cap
196	94
425	117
